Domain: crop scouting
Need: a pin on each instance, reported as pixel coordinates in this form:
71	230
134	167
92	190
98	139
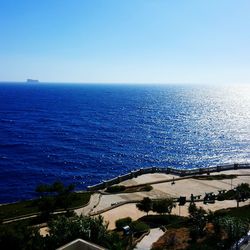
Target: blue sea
87	133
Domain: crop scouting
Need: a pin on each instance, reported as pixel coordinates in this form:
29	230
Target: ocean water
84	134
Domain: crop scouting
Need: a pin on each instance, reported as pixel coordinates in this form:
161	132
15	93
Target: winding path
148	240
93	202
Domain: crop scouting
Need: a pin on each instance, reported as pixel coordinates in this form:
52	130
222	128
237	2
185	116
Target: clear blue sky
161	41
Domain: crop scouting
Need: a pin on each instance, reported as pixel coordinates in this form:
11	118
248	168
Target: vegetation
228	195
159	206
225	228
173	221
18	209
19	236
218	230
146	188
241	213
139	227
234	228
123	222
54	196
23	208
145	205
215	177
203	230
244	190
198	219
176	238
163	206
136	226
65	229
240	193
62	231
132	233
115	189
124	189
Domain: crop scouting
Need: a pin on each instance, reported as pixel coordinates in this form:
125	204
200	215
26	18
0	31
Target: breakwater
167	170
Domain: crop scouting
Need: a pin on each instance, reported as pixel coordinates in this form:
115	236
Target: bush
235	228
123	222
166	220
215	177
116	189
139	227
147	188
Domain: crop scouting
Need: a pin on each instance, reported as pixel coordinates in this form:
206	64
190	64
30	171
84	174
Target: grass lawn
18	209
23	208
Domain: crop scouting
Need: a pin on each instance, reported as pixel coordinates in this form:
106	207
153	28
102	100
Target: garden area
201	229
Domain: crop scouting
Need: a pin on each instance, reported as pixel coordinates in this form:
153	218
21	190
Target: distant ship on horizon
32	80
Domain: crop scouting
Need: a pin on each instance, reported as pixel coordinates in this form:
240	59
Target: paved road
245	247
94	201
148	240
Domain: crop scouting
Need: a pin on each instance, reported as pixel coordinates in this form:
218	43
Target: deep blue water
84	134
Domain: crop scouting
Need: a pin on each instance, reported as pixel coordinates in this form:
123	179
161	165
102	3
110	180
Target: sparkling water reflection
87	133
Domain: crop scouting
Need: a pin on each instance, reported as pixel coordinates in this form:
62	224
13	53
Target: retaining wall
167	170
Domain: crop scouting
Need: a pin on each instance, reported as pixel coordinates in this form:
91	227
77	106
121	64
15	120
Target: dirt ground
173	239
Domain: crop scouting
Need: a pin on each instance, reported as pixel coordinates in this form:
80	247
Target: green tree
163	206
192	209
145	205
243	188
64	230
242	192
54	196
198	219
42	189
18	236
46	205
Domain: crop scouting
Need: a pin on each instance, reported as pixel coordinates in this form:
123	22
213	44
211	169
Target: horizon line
124	83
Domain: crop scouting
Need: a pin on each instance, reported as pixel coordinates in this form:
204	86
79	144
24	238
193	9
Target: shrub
147	188
139	227
166	220
234	227
123	222
215	177
115	189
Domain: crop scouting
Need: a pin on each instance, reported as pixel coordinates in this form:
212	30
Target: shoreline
183	187
114	206
188	173
168	170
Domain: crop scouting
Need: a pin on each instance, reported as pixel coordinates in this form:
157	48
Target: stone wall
167	170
